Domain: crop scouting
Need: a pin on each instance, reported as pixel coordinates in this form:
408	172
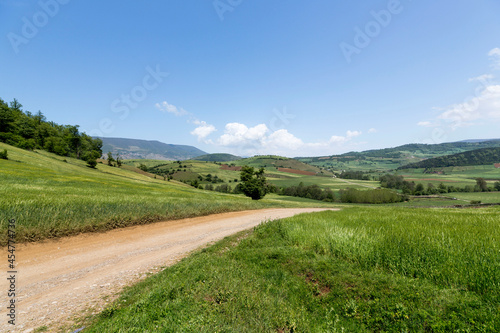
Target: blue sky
294	78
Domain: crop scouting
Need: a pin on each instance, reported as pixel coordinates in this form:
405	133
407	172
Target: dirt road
59	280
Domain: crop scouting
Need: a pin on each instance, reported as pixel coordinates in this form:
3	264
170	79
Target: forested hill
25	130
420	149
218	158
473	157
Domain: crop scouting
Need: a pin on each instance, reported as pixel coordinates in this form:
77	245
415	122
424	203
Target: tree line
399	183
26	130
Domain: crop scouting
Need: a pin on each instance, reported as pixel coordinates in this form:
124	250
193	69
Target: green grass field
357	270
456	176
52	196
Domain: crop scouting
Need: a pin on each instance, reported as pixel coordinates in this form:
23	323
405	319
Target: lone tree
110	159
118	160
253	183
481	185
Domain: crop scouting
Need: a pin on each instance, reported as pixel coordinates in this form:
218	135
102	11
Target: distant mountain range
143	149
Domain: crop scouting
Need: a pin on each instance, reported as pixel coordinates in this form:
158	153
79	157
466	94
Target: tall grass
452	248
52	196
358	270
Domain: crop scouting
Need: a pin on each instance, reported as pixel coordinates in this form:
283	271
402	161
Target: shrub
3	154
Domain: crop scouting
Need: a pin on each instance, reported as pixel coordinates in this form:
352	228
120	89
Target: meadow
356	270
54	196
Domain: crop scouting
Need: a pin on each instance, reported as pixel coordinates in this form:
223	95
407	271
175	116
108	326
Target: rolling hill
217	158
482	156
396	157
143	149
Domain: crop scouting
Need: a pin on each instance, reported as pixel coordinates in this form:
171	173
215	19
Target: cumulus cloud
283	139
236	134
261	140
165	107
372	130
203	130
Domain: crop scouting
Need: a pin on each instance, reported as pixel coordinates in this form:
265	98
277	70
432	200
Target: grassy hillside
217	158
52	196
393	158
482	156
357	270
133	148
271	162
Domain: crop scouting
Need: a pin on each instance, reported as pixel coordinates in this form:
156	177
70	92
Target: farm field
191	170
456	176
357	270
52	196
484	197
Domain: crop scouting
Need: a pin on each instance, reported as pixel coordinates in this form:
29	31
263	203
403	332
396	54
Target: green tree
110	159
4	155
253	183
91	158
481	185
497	186
419	189
118	160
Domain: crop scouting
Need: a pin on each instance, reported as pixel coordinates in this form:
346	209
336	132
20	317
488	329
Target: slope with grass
52	196
483	156
357	270
393	158
217	158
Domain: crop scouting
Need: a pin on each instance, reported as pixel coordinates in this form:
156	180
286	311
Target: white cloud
237	134
425	123
352	134
372	130
340	140
482	78
203	130
484	106
495	57
165	107
244	140
283	139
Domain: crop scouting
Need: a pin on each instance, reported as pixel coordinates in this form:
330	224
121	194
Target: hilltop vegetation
474	157
217	158
30	131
